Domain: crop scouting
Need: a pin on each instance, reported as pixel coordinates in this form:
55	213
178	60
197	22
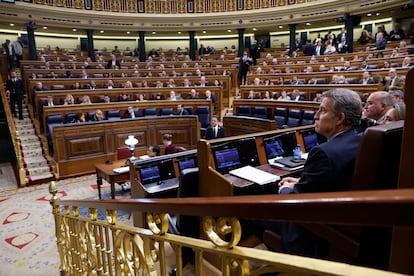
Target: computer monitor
150	174
279	144
274	147
187	163
226	159
310	139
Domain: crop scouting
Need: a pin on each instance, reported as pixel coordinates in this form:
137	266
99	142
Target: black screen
280	144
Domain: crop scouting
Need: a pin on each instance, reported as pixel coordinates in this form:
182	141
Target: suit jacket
329	166
109	64
398	84
15	88
221	133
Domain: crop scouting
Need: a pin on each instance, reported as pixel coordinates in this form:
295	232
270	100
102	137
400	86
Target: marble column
192	43
141	46
91	48
241	41
292	37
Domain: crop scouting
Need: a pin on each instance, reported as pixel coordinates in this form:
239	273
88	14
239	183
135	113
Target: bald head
377	105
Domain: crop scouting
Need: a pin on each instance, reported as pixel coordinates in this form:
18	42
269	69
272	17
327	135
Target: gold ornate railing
14	136
90	246
170	6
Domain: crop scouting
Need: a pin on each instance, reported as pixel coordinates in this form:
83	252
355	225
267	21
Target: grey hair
348	102
399	111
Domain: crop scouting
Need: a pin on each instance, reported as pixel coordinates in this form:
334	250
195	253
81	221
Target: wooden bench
78	147
307	90
96	96
121	106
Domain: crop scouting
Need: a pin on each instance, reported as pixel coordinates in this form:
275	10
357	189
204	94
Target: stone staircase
37	167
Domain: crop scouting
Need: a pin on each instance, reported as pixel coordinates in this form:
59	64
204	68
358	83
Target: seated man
215	130
329	167
154	150
377	106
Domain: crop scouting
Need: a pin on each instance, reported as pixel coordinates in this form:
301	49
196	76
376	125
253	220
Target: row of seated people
116	114
82	97
303	92
403	62
110	84
89	64
109	73
365	78
116	111
128	82
282	54
283	116
69	99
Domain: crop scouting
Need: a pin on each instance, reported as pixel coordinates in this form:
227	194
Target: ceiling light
179	32
280	27
154	32
377	14
11	24
229	31
128	32
204	32
254	29
308	24
369	14
101	31
74	30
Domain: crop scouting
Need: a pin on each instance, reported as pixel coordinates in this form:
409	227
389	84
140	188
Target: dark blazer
183	112
329	166
109	64
221	133
15	88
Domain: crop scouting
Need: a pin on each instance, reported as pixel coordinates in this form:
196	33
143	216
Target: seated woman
169	146
98	116
81	117
396	113
86	100
69	100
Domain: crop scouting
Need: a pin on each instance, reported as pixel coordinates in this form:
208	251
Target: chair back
378	159
244	110
260	112
295	117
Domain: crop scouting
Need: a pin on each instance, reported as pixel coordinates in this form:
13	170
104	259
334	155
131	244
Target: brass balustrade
90	246
14	137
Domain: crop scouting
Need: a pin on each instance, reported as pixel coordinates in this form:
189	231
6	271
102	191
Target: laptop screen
274	148
226	159
150	174
310	139
186	163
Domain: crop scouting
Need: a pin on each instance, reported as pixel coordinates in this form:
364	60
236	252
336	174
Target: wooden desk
240	183
106	171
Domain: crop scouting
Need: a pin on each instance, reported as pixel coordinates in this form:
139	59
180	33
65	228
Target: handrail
14	136
378	207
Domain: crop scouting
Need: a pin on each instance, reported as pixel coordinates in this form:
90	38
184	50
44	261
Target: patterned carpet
27	238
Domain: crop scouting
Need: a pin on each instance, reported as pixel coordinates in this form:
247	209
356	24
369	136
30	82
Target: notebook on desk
287	163
255	175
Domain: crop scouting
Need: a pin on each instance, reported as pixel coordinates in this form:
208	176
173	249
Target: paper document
121	169
255	175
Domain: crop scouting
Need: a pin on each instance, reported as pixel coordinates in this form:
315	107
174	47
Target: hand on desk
287	182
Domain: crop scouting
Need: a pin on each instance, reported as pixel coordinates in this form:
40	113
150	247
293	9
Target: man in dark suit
244	65
329	166
215	130
181	111
113	63
8	51
15	89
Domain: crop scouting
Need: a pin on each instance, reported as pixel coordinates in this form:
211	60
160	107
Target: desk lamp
131	142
